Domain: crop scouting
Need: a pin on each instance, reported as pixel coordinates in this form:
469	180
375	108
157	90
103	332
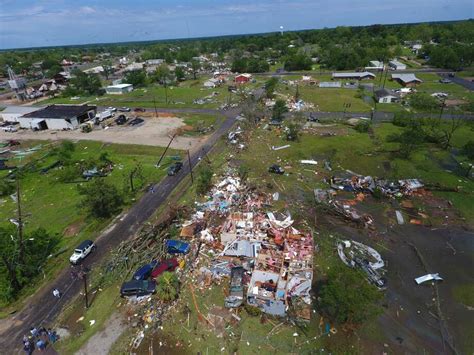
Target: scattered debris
281	147
428	277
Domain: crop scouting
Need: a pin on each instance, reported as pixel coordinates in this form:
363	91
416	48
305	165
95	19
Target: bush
347	297
168	286
252	311
100	198
204	180
7	187
362	126
402	119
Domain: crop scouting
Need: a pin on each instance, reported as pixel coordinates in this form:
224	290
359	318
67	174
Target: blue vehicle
144	272
177	247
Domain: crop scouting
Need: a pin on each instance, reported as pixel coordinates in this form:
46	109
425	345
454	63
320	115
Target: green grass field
53	205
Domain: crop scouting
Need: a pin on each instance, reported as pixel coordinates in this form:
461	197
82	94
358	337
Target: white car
111	109
10	129
81	252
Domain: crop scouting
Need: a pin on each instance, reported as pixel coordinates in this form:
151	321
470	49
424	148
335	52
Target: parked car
111	109
125	109
144	272
174	168
135	121
10	129
445	81
137	288
312	118
177	247
164	265
121	120
276	169
81	252
139	109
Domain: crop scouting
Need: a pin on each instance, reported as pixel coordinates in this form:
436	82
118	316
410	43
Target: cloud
87	10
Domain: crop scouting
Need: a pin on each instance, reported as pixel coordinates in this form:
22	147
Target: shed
330	84
354	75
119	89
396	65
242	78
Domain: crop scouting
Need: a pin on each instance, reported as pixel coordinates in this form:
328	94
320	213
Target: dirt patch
73	229
454	102
102	341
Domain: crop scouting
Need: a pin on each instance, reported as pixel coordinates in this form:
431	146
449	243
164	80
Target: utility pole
190	168
385	79
166	149
154	103
20	222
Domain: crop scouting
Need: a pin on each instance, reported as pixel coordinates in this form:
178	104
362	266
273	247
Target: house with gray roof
408	79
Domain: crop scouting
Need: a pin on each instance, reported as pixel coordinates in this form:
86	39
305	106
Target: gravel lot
154	131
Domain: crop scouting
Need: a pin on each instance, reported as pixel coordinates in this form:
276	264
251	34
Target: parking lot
153	131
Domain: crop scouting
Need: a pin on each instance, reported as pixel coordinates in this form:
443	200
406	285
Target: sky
37	23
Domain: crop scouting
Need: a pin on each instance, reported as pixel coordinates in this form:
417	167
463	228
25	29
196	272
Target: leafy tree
100	198
347	297
279	109
179	73
204	180
168	286
88	84
423	101
362	126
135	77
54	70
409	139
69	173
293	132
270	86
298	61
36	246
195	67
468	150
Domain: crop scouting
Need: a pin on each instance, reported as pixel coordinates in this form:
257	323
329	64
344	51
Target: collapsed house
276	258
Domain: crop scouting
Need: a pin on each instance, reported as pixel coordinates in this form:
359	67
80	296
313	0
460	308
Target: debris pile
365	258
260	251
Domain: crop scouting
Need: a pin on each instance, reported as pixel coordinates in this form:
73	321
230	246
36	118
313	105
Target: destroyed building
276	257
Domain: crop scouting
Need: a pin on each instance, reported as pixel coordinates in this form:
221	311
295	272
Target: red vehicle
165	265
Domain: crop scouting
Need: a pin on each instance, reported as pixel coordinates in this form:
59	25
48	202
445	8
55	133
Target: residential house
95	70
396	65
134	66
406	79
118	89
154	61
354	75
384	96
58	117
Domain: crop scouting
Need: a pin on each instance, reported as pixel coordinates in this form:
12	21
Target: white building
57	117
384	96
375	65
396	65
154	61
118	89
12	113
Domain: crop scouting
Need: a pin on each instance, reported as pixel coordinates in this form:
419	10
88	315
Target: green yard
53	205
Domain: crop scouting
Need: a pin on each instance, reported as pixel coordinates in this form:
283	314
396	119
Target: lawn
53	205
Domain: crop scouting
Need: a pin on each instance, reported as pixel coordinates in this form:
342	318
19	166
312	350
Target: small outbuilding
242	78
396	65
354	75
118	89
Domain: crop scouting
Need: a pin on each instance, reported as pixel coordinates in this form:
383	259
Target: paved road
460	81
45	307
